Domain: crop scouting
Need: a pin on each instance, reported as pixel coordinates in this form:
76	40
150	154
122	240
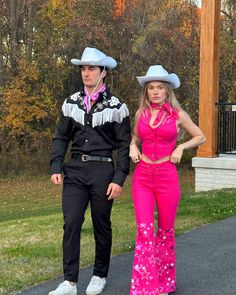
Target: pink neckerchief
164	111
93	97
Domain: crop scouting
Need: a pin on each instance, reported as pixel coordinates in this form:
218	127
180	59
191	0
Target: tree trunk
30	31
1	71
234	20
3	151
13	36
1	65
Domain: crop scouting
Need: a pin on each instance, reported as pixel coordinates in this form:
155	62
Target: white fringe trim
72	110
110	115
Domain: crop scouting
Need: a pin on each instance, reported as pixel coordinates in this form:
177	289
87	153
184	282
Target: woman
158	122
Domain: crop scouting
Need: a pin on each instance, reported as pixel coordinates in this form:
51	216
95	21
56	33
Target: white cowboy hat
158	73
94	57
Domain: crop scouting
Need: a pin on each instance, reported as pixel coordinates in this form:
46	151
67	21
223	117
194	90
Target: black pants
86	182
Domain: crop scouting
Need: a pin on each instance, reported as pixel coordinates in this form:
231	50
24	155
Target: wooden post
209	76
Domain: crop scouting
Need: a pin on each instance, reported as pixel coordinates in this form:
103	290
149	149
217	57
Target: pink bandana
165	111
93	97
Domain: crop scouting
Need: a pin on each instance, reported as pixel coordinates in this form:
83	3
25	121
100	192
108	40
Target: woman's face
156	92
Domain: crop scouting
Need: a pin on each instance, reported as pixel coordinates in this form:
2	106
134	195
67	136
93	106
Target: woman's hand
134	153
177	154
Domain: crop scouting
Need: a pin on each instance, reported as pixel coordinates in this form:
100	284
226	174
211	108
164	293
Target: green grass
31	226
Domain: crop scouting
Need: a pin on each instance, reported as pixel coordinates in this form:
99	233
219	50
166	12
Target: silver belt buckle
85	158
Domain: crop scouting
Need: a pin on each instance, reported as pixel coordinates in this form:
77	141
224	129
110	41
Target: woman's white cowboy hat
94	57
158	73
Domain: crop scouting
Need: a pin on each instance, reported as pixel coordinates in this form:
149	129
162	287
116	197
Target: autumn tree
228	51
39	37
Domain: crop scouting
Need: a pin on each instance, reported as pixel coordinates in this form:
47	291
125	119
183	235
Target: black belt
88	158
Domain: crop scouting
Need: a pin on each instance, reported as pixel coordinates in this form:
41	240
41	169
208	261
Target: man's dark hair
103	68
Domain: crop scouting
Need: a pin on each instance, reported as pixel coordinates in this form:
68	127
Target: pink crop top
158	142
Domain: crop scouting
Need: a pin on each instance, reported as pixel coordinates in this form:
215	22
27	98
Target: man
97	123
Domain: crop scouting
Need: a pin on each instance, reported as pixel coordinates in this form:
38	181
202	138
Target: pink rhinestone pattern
154	268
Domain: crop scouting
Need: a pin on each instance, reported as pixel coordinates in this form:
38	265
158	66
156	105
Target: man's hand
114	191
56	179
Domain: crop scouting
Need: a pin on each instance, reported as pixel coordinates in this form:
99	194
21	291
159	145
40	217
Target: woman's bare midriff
161	160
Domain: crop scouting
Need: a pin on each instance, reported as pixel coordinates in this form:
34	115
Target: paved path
206	265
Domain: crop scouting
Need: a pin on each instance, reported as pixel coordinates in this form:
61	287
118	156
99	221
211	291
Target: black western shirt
104	129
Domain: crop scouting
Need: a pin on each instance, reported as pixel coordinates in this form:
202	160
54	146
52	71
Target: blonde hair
171	99
144	103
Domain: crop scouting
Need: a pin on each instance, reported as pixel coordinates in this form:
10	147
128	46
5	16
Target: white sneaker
65	288
96	285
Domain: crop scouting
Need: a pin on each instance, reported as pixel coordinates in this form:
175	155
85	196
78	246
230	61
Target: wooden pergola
212	171
209	76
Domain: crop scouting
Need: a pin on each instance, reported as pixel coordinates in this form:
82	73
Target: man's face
91	76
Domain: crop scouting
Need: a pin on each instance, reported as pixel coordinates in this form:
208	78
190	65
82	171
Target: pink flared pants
154	267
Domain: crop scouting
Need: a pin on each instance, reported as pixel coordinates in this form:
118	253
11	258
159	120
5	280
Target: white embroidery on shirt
75	96
114	101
